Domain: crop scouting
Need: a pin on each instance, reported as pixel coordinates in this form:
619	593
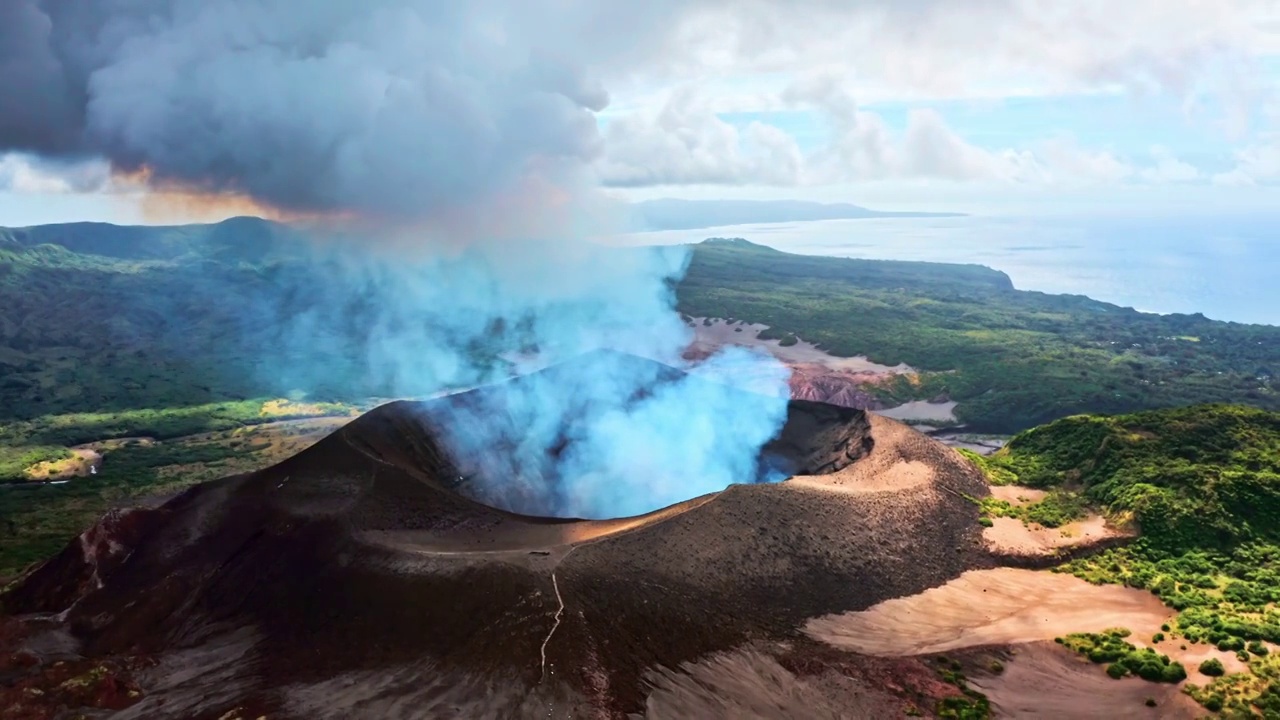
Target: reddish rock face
811	381
834	387
85	564
36	688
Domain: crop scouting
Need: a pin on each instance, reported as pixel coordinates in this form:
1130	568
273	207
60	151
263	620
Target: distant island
672	214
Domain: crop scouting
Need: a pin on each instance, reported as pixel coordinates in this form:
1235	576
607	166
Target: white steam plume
457	133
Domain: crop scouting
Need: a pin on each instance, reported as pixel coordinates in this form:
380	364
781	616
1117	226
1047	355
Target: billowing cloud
941	47
688	143
417	108
22	173
685	142
396	107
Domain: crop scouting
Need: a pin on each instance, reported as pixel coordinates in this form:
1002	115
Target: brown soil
889	465
1043	679
815	374
80	463
992	607
719	333
751	683
1018	495
1022	611
1012	538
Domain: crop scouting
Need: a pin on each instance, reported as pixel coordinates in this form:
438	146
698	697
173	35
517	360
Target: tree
1212	667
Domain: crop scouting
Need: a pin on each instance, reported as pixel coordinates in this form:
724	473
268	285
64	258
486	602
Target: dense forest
1013	359
107	319
1203	486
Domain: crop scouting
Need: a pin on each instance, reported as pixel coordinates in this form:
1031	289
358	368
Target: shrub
1231	644
1213	668
1257	648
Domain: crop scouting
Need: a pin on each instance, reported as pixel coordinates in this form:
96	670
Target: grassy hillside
1203	485
1013	359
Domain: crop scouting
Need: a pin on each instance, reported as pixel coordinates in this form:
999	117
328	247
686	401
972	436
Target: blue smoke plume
594	434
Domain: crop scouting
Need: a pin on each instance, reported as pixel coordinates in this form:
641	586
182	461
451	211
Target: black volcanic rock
357	579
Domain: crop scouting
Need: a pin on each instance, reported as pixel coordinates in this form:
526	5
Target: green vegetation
1212	667
1012	359
1203	484
15	459
1198	477
1241	695
162	423
36	522
1058	508
189	316
117	320
970	704
1123	658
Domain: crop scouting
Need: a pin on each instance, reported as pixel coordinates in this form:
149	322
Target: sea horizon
1223	268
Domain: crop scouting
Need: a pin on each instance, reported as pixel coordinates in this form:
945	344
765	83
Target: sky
986	106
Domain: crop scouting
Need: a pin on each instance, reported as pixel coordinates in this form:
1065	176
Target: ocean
1227	269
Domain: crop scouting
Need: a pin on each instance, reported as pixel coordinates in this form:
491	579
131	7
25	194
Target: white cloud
1169	169
1257	164
905	49
1069	163
863	148
685	142
21	173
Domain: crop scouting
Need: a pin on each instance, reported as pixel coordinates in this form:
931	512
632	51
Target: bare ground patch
991	607
1045	680
1013	538
80	464
719	333
1017	495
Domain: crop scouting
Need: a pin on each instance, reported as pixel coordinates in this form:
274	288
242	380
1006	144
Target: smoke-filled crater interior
613	435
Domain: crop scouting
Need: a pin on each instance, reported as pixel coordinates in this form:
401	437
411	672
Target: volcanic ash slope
357	580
